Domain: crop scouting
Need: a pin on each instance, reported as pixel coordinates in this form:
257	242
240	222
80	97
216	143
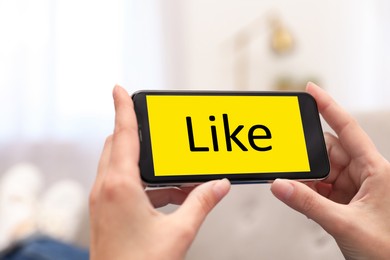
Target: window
59	61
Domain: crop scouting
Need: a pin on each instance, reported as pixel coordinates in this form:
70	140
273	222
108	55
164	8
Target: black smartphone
191	137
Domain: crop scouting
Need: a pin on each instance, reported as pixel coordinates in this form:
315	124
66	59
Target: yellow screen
197	135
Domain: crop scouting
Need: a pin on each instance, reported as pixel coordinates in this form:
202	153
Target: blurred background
59	61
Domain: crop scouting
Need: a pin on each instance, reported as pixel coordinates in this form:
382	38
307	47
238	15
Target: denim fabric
44	248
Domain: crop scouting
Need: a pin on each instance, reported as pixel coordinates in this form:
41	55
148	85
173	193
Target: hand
124	223
353	202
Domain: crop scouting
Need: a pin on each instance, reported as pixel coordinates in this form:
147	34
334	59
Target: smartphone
191	137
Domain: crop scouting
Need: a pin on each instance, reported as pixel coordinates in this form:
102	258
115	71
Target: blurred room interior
59	61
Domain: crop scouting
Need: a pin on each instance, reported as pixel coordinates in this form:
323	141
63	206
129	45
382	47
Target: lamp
281	43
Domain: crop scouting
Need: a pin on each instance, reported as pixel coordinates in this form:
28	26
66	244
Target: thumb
201	201
308	202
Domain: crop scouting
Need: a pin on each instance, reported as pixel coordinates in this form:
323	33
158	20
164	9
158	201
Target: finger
338	157
324	189
354	140
125	143
103	163
201	201
162	197
339	186
306	201
188	189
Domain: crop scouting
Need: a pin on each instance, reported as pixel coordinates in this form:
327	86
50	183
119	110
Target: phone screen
233	134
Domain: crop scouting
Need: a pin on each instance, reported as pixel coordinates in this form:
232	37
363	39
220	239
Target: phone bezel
315	143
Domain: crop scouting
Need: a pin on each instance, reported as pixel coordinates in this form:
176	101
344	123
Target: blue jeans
43	248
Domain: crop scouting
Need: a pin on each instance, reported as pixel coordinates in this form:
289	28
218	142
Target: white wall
341	43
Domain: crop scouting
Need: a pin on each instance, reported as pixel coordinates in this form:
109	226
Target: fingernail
220	188
114	91
311	83
282	189
117	88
